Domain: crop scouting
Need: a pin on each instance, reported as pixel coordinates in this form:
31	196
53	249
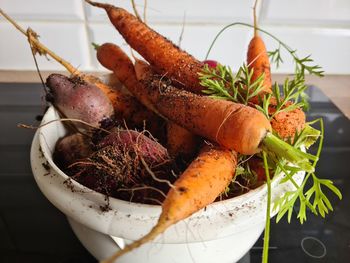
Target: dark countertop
33	230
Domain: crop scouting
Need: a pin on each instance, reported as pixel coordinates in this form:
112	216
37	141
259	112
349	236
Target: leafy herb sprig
313	198
303	65
221	83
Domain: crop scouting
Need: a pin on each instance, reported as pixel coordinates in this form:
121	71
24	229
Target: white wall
317	27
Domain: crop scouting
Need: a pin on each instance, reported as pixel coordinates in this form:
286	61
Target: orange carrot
113	58
232	125
162	54
181	142
258	59
197	187
287	123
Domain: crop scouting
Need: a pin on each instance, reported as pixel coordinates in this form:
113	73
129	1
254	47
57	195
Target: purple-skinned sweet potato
77	99
150	150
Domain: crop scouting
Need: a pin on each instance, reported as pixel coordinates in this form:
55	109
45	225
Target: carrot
181	142
232	125
169	60
258	59
197	187
162	54
287	123
113	58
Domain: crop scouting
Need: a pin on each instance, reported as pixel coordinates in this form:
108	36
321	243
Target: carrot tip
100	5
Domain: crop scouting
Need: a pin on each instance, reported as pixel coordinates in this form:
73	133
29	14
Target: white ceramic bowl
223	232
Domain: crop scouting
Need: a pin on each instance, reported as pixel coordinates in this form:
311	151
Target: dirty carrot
166	58
287	123
258	59
198	186
232	125
112	57
180	142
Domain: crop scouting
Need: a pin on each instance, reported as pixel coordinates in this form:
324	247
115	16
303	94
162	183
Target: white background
317	27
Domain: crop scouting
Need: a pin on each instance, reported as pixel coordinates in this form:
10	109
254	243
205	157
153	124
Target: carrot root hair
100	5
158	229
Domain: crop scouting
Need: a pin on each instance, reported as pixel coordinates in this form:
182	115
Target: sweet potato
143	146
78	100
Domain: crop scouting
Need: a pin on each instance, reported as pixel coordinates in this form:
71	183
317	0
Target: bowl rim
131	220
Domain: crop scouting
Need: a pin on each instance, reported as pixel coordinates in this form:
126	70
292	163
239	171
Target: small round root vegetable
79	100
198	186
122	161
127	108
147	148
161	53
71	148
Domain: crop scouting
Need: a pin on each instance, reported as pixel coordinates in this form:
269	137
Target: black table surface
33	230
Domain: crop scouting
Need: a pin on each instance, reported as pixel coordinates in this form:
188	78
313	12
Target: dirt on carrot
232	125
166	58
197	187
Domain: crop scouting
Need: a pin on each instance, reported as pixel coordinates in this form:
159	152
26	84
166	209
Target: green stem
291	51
268	210
272	144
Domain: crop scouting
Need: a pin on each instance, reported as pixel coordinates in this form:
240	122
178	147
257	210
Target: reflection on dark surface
32	230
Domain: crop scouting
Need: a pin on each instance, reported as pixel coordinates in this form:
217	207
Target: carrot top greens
288	157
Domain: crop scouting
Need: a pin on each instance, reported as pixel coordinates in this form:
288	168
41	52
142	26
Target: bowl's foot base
101	246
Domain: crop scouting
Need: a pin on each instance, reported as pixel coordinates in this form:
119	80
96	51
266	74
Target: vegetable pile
182	132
